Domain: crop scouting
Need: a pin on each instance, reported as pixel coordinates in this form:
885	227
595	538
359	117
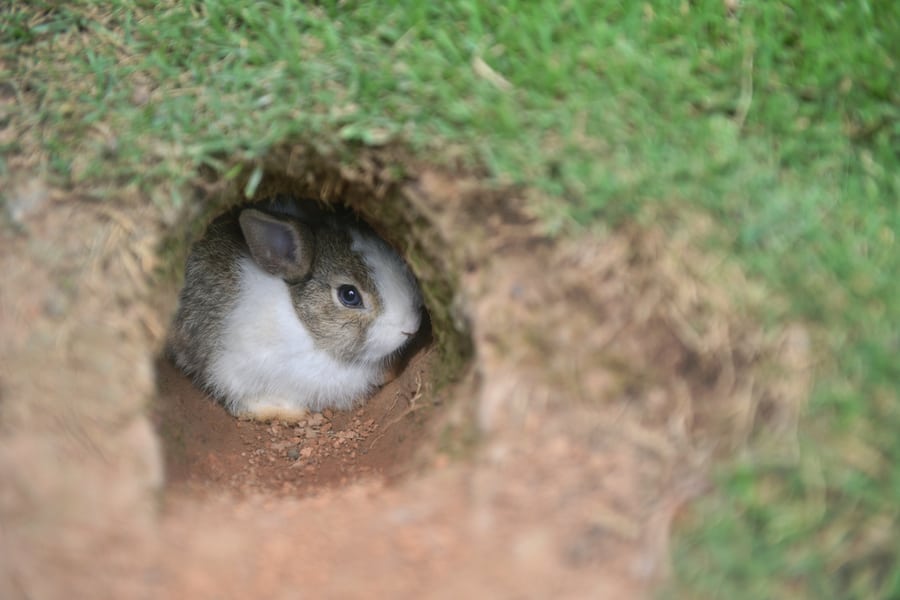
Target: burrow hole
395	432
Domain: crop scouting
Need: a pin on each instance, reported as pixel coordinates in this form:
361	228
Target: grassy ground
781	119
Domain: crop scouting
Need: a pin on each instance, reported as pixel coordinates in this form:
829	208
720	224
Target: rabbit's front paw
272	409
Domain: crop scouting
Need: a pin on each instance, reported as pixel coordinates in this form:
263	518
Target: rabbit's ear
282	248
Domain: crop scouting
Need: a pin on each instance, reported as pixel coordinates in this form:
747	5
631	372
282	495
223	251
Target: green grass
781	120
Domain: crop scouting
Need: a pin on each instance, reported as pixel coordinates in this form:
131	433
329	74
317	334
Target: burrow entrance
610	371
406	424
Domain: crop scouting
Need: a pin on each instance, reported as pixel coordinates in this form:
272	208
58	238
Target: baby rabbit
287	307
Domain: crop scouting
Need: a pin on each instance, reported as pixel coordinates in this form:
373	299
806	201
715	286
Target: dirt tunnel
403	427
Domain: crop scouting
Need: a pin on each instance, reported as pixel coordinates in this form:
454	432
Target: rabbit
288	308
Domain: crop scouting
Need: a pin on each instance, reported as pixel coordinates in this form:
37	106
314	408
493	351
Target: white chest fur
268	361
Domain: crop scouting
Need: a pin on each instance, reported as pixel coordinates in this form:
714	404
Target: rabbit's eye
350	296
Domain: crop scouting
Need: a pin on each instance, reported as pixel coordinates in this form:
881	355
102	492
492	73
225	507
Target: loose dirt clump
209	451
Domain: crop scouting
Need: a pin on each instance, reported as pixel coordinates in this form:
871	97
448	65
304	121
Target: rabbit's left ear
282	248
